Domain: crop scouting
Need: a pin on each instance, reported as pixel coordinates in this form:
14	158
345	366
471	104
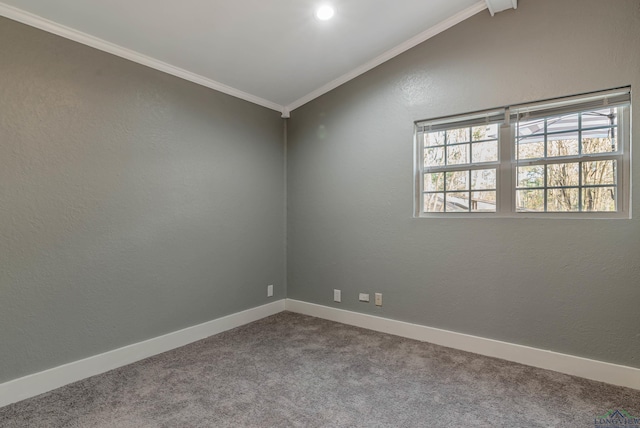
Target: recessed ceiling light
325	12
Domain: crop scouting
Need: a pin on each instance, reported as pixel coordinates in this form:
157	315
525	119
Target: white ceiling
271	52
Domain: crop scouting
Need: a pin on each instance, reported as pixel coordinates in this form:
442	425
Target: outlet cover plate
378	297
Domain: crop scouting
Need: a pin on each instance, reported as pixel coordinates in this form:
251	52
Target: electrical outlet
364	297
337	295
378	299
270	290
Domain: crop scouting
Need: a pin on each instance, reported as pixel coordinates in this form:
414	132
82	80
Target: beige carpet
291	370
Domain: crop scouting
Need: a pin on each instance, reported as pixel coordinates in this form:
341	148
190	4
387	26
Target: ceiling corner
496	6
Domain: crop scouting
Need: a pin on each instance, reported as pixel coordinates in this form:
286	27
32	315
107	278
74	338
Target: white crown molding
549	360
391	53
39	383
103	45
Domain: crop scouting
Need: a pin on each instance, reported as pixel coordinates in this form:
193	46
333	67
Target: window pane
599	199
434	182
562	200
531	176
483	201
563	174
530	200
599	141
434	138
458	154
602	117
531	148
483	179
434	156
485	132
530	127
455	136
567	122
484	152
434	202
599	172
457	202
567	162
562	145
458	180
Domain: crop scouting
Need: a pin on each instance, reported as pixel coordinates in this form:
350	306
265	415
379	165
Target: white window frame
507	163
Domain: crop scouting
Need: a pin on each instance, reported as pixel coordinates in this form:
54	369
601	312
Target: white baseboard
39	383
563	363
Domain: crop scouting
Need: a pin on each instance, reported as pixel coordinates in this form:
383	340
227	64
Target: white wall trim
39	383
563	363
391	53
103	45
36	21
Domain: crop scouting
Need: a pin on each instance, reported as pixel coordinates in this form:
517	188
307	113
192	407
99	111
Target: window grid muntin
468	191
593	128
470	144
600	101
448	167
580	159
613	129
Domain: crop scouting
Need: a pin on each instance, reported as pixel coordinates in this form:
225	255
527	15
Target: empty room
301	213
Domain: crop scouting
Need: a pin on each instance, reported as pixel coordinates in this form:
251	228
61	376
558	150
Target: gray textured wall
132	203
566	285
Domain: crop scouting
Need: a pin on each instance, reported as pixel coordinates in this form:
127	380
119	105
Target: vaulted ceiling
275	53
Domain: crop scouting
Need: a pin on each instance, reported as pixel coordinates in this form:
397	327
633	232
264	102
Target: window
558	158
460	163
